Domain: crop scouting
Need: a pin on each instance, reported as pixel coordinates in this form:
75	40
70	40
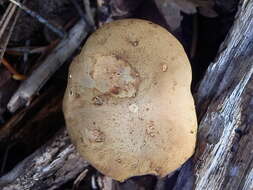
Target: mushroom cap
128	105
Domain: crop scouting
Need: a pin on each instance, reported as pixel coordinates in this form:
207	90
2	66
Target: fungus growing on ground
128	105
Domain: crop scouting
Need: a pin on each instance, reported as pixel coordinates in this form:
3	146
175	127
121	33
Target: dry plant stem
9	67
28	50
58	56
7	24
42	20
48	168
93	182
80	177
88	12
81	13
78	8
6	14
4	39
6	18
25	57
105	183
16	75
224	158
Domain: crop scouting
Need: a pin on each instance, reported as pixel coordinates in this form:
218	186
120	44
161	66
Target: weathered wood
224	157
47	168
48	67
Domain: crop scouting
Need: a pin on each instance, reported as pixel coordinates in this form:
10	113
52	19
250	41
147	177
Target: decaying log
224	157
47	168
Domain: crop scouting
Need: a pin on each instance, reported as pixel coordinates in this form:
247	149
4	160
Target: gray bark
224	156
42	74
48	168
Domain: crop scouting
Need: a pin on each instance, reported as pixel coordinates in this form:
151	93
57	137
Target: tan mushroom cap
128	105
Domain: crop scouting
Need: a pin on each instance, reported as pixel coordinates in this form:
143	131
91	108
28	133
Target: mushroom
128	105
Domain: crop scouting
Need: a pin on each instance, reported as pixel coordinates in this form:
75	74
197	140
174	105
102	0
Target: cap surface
128	105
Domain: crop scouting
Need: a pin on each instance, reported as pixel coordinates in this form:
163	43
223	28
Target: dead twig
105	183
25	57
28	50
79	179
94	182
41	74
7	24
88	12
81	13
42	20
16	75
6	18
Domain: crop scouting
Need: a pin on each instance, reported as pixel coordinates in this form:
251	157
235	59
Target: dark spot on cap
91	74
135	43
97	100
115	90
97	136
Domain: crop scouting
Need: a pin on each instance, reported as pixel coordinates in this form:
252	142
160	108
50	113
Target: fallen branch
30	87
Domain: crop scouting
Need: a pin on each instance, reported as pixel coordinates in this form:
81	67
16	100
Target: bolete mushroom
128	105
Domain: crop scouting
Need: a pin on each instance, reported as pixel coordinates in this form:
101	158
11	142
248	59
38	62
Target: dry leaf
171	10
